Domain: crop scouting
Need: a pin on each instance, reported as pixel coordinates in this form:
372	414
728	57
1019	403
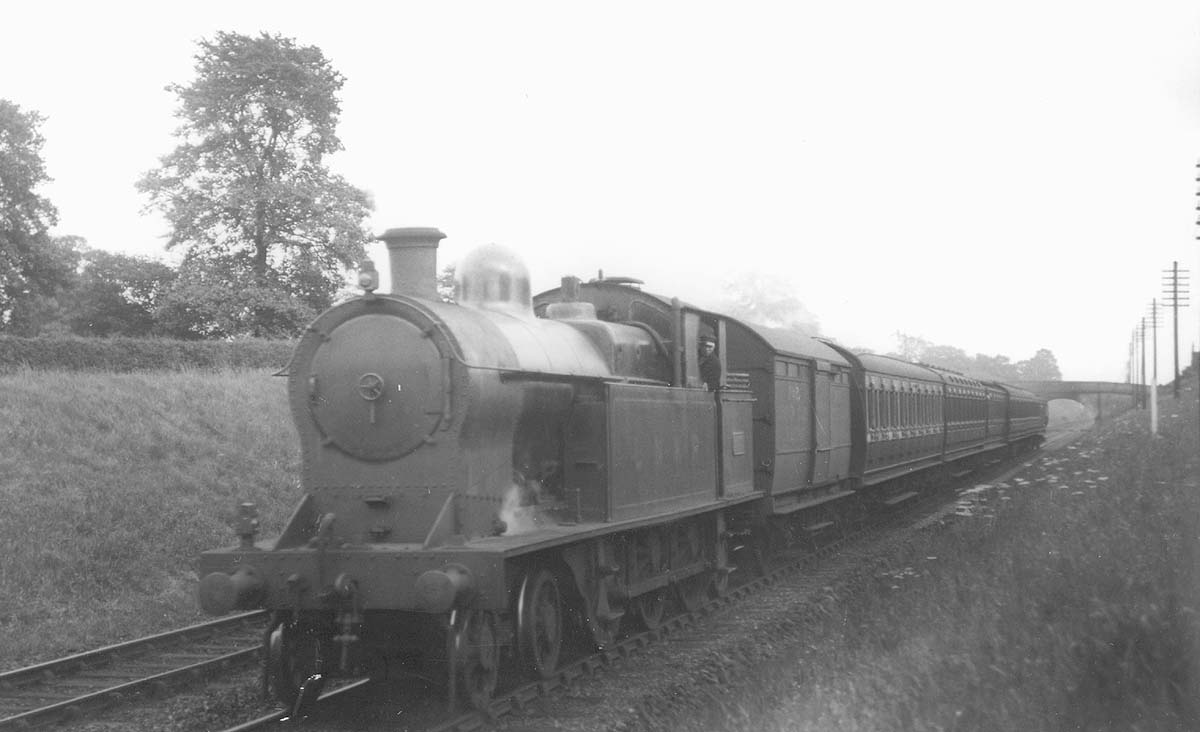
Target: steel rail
282	715
49	692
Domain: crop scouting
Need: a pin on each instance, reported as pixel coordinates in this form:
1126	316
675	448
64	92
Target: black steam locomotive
486	479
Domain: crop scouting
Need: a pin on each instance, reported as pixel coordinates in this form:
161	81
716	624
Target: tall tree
993	368
30	265
911	348
247	191
1043	366
947	357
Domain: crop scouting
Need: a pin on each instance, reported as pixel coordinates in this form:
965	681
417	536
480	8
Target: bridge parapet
1078	389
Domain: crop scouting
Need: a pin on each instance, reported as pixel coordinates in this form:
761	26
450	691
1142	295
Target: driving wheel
649	608
294	655
475	658
539	623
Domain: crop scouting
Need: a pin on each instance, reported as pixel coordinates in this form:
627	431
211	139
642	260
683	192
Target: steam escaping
519	512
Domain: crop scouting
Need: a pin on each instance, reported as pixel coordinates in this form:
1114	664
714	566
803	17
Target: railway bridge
1091	394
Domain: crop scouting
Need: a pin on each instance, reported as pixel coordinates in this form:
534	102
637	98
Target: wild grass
111	485
1066	600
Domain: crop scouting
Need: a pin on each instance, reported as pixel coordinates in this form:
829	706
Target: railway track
70	688
928	511
78	686
282	716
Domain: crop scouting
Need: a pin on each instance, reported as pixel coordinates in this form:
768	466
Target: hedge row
140	354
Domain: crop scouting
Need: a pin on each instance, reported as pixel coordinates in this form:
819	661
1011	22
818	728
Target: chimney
570	289
570	308
412	253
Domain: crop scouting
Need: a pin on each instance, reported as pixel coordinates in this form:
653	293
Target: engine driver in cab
710	363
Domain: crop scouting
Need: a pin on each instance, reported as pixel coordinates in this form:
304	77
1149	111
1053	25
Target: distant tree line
1042	366
96	293
767	299
265	230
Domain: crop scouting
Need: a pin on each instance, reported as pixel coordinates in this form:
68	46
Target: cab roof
789	342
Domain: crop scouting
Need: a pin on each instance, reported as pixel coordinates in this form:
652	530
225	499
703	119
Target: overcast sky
997	176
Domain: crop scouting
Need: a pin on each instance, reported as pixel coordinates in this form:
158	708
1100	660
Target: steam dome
494	278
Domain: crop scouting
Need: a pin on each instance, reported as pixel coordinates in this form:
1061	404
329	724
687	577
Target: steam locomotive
489	479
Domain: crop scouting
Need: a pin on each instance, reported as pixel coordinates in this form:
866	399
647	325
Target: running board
800	505
816	528
900	498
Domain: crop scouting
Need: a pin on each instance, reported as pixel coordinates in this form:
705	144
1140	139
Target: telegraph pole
1142	371
1154	360
1135	376
1129	371
1196	354
1175	289
1132	366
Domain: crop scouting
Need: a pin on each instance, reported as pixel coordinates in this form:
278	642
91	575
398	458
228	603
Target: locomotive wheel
720	583
607	630
693	591
294	654
475	658
720	577
753	554
649	608
539	623
779	538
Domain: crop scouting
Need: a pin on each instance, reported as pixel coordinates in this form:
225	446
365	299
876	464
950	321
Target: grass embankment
111	485
1065	600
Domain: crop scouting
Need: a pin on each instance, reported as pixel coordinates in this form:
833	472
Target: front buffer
350	611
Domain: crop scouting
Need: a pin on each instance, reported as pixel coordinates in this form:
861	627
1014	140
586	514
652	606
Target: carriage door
735	413
822	423
793	424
